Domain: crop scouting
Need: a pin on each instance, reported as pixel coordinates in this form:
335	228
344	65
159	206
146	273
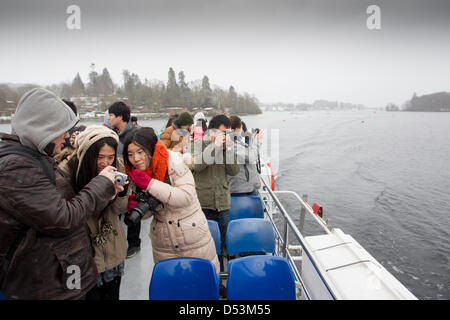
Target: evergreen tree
205	85
171	82
232	100
172	90
185	92
206	93
106	85
77	86
131	84
92	87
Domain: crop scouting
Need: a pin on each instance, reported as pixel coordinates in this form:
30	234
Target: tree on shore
435	102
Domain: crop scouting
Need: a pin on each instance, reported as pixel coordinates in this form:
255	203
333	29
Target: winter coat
248	178
122	134
55	219
198	132
211	183
179	227
105	230
173	136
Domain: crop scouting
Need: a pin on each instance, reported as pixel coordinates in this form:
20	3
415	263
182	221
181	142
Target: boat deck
138	269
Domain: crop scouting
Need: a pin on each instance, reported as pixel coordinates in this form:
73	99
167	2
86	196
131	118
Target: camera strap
258	159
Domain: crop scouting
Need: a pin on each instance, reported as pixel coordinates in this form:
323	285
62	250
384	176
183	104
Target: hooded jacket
211	183
41	117
248	178
55	251
106	231
175	138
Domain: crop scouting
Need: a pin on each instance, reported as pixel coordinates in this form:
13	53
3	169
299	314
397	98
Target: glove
140	178
131	202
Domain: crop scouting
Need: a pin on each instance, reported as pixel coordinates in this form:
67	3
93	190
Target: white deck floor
138	269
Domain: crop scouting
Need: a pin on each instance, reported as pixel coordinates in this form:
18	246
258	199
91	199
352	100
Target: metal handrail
308	208
306	249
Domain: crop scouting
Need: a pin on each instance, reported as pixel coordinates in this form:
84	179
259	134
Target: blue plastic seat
215	233
260	278
250	235
184	278
246	207
1	296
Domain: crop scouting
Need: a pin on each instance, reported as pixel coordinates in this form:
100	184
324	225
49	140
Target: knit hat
198	116
184	119
88	137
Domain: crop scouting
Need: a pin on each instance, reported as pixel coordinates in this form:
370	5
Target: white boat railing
273	205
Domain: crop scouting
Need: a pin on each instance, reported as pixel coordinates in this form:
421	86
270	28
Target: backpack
41	160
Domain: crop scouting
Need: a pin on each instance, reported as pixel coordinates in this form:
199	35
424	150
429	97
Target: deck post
302	213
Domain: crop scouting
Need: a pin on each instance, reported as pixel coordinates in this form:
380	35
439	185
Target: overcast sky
277	50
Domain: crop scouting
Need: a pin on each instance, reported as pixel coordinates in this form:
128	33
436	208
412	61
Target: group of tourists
63	197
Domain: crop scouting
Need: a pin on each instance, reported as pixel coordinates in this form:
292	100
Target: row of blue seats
258	277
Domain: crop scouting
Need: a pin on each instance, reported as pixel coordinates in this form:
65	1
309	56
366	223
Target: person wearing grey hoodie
45	250
247	181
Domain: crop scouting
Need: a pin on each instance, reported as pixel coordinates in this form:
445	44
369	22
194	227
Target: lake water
382	177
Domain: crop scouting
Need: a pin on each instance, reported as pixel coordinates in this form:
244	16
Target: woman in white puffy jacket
179	227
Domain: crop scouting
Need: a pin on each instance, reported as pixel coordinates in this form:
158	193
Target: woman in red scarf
179	227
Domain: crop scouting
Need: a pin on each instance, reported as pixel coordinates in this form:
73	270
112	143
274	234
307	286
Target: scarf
159	162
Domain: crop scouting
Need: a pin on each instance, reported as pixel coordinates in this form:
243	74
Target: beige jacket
106	231
179	227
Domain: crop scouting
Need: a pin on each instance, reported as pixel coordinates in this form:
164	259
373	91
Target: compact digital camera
120	178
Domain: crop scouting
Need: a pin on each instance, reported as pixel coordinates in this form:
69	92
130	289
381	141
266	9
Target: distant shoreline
142	116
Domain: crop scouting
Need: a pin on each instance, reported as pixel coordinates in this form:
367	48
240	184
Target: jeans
222	218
